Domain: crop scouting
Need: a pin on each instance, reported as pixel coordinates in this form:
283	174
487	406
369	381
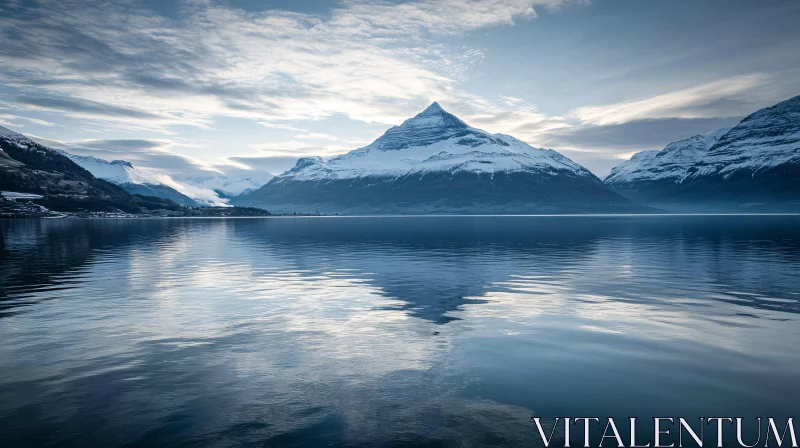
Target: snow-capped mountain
660	172
754	166
434	141
435	162
129	178
59	183
115	171
193	184
761	142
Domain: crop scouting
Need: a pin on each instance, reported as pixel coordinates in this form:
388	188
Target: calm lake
390	331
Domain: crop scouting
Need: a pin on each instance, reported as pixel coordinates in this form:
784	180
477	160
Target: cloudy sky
179	84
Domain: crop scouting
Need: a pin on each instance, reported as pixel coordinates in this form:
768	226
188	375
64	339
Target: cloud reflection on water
366	331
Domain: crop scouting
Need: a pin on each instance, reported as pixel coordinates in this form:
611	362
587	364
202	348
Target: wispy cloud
273	164
715	99
282	127
317	136
118	62
508	115
10	119
121	67
301	148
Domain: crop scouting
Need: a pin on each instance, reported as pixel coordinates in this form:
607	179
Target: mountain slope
765	139
29	167
436	163
160	191
754	167
128	177
757	161
650	175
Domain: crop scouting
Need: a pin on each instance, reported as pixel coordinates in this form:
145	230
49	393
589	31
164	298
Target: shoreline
565	215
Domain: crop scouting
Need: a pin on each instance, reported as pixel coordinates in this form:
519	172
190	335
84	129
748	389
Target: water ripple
379	331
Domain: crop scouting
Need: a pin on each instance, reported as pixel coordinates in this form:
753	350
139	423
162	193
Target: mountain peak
434	117
434	108
431	125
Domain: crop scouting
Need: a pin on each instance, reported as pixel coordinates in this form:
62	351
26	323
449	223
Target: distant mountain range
654	174
128	177
436	163
29	167
755	166
225	184
199	186
36	181
202	186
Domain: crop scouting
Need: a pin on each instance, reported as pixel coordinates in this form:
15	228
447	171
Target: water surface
404	331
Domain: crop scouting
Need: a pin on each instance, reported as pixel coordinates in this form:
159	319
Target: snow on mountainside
200	184
8	133
58	183
671	163
754	166
766	139
130	178
433	141
436	163
206	185
115	171
209	185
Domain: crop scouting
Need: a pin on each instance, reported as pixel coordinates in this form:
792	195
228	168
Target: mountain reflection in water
389	330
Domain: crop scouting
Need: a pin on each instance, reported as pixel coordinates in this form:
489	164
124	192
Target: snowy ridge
755	166
672	163
116	171
765	139
433	141
210	186
206	187
8	133
130	178
23	142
